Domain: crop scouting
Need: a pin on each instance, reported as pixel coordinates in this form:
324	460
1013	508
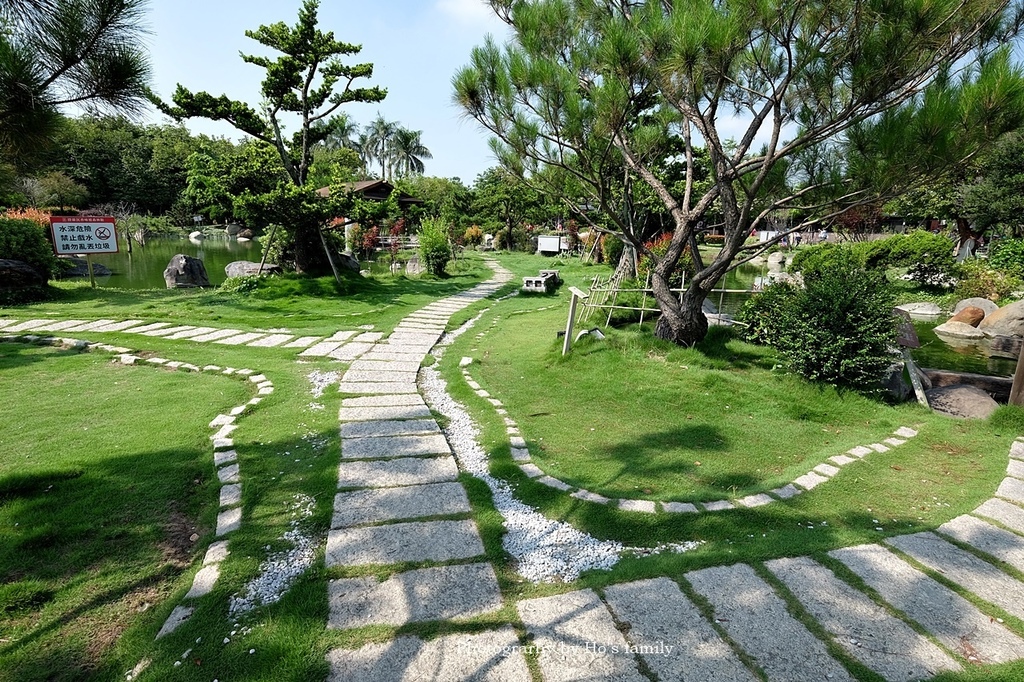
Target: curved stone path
910	607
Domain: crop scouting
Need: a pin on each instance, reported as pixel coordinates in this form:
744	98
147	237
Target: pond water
144	267
937	354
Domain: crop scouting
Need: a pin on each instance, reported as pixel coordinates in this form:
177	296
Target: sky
415	46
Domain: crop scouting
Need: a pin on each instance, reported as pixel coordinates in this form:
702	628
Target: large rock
232	230
958	330
81	268
921	311
971	315
347	261
988	306
962	401
247	268
1007	321
245	233
185	272
16	274
198	234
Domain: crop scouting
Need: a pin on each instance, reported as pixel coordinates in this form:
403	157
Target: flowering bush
474	236
659	247
42	218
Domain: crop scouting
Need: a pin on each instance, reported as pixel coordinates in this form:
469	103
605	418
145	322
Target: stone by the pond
1007	321
986	305
959	330
921	310
246	268
962	401
81	268
971	315
15	274
185	272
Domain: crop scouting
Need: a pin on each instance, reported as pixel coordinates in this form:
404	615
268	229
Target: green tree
997	200
407	152
898	91
308	82
377	143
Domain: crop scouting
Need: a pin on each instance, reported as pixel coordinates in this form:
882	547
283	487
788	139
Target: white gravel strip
321	381
281	569
545	550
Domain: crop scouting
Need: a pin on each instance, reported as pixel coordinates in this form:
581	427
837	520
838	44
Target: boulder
962	401
16	274
1007	321
245	233
921	311
777	258
247	268
986	305
198	234
232	230
958	330
81	268
346	261
971	315
184	272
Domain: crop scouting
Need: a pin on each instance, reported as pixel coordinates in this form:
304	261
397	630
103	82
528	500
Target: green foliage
26	241
473	236
1008	417
976	279
435	250
927	256
1007	256
245	284
838	330
764	313
659	248
611	248
997	201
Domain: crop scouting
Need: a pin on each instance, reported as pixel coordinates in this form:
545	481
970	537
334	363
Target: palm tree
378	137
407	152
343	133
59	52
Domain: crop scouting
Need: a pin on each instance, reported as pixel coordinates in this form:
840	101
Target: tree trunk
626	269
310	258
682	323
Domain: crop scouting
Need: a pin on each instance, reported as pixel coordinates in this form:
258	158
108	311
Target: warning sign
78	235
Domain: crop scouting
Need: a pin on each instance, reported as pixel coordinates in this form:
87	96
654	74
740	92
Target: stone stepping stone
964	569
214	336
398	542
376	387
397	377
190	333
204	581
426	594
87	326
352	414
864	629
59	326
229	521
1011	489
368	337
165	332
574	636
414	326
302	342
397	472
377	429
27	325
179	615
365	365
271	341
321	349
117	326
343	335
493	656
758	621
149	327
1010	515
954	621
240	339
384	355
394	504
351	351
401	399
8	322
660	616
1002	544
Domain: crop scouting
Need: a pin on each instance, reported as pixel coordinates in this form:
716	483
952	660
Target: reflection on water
144	267
960	357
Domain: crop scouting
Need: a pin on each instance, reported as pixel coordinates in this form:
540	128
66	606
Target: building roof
378	190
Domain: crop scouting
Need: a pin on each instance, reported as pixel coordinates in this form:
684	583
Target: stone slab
399	542
28	325
85	327
240	339
343	335
271	341
383	428
718	505
393	504
758	500
217	552
368	337
588	496
214	336
228	474
905	432
864	629
859	451
1010	515
826	470
787	491
954	621
552	482
353	414
166	332
179	615
365	365
357	376
758	621
401	399
321	349
568	633
1015	468
642	506
224	457
810	480
204	581
190	333
1011	489
531	470
229	521
494	656
964	569
302	342
679	643
841	460
350	351
59	326
426	594
1017	450
878	447
146	328
397	472
894	442
1001	544
394	446
520	455
376	387
230	495
679	507
114	326
379	354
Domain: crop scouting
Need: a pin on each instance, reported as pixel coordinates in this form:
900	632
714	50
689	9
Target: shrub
659	247
40	218
929	256
473	236
434	247
838	330
714	239
1007	256
25	240
764	313
241	285
976	279
611	248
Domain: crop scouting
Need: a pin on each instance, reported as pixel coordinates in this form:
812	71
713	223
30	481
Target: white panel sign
83	235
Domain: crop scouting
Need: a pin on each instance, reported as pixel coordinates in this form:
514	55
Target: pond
935	353
144	267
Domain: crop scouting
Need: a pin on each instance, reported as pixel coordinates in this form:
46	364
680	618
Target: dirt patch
180	536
